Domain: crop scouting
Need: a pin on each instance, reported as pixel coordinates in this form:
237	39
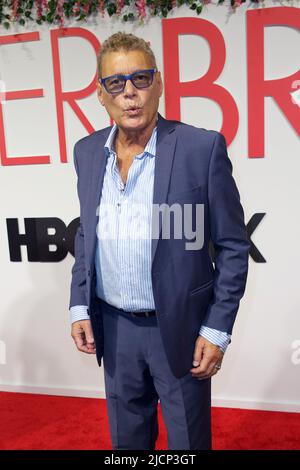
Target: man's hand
206	356
82	335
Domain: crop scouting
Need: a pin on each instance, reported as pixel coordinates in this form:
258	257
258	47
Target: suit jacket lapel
95	189
165	148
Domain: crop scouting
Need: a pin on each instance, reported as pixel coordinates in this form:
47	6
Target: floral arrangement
58	11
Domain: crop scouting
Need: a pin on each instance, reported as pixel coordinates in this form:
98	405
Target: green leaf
81	17
52	4
49	18
111	8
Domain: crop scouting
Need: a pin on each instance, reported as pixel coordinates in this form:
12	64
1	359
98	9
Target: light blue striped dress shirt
123	250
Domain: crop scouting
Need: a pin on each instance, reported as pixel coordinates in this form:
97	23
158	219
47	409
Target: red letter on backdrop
258	88
203	86
70	96
15	95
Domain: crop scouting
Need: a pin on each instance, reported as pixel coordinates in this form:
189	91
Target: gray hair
122	41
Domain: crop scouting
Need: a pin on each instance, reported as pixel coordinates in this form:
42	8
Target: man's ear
100	93
161	85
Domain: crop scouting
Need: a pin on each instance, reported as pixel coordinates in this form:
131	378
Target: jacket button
89	273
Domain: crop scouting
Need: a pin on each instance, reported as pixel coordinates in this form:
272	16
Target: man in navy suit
157	307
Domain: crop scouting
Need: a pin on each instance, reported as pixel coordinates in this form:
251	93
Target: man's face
133	108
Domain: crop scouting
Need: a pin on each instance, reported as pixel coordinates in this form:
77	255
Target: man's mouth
133	110
132	107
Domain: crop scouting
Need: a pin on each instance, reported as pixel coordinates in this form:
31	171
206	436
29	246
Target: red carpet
43	422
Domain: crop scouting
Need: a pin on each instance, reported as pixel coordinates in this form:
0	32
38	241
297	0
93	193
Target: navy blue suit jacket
189	289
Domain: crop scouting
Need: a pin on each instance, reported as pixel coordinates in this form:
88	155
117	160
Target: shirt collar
150	149
109	144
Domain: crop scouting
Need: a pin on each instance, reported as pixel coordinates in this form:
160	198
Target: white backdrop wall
261	368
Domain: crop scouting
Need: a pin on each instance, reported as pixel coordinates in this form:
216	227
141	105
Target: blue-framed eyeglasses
116	83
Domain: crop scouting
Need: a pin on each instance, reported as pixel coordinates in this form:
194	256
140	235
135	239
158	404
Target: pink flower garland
102	7
60	12
86	8
83	9
14	13
76	8
39	9
141	7
120	5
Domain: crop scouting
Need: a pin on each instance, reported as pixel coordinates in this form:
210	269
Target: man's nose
129	89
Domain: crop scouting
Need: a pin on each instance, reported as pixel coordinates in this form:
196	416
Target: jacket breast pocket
202	287
198	302
187	196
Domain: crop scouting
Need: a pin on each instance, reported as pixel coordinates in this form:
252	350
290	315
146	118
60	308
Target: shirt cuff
79	312
219	338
